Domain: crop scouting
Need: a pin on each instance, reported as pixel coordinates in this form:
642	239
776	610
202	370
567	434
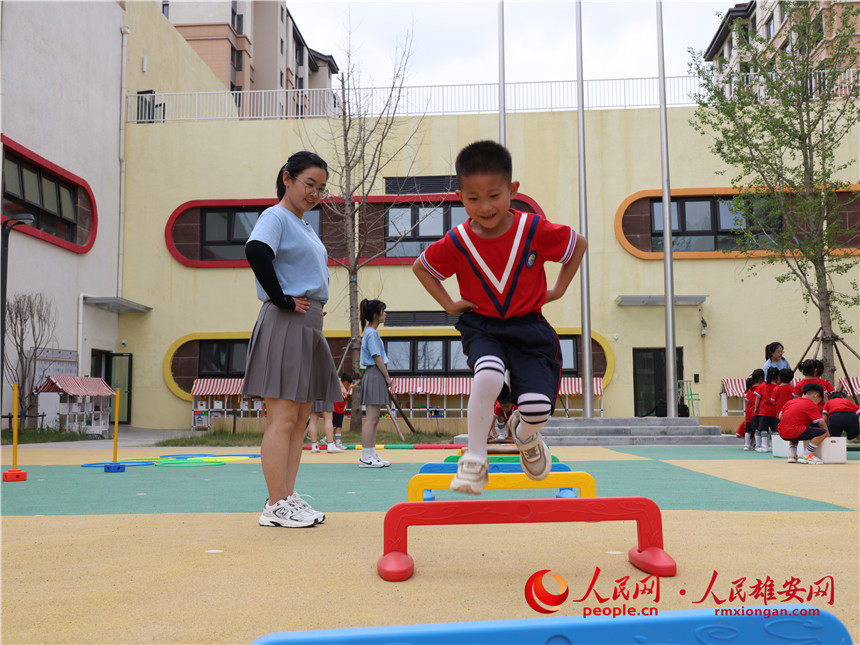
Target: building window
28	189
282	79
282	19
769	30
440	356
282	45
300	83
165	8
222	358
237	20
698	224
236	59
300	51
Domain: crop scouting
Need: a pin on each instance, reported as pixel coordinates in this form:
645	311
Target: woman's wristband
285	302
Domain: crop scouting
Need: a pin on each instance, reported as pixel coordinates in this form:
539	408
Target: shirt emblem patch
530	260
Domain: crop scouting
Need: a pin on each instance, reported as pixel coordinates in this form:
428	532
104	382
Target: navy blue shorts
528	345
810	433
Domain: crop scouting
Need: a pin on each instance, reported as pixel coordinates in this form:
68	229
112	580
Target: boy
340	408
751	420
498	257
784	392
797	422
842	415
766	410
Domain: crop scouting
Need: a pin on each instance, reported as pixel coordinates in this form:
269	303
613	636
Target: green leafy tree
778	117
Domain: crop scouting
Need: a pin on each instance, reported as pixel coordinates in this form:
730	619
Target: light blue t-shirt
301	261
782	365
371	345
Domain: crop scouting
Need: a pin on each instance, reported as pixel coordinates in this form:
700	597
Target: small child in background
784	392
340	408
751	420
502	411
841	415
798	421
812	369
766	410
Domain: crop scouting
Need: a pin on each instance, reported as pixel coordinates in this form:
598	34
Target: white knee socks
534	411
486	385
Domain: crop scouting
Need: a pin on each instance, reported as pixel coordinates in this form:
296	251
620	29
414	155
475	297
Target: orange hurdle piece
396	564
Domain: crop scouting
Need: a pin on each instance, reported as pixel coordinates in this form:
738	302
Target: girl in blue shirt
773	357
289	361
376	381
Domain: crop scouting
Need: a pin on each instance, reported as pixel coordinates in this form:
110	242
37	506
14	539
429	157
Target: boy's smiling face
487	199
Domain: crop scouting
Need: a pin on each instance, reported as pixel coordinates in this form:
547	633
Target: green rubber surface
239	488
672	453
496	458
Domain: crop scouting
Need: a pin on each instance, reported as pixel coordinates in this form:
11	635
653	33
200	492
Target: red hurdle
396	564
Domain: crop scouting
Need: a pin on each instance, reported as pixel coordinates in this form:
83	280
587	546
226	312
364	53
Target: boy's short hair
813	387
484	158
346	376
786	375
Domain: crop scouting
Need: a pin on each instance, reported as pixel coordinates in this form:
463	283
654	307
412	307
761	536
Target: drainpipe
81	297
122	113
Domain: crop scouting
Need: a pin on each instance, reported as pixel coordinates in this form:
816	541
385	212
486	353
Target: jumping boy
498	258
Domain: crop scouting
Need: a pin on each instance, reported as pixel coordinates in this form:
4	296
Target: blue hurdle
495	467
685	626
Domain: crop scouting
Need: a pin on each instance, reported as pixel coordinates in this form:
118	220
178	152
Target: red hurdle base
396	564
15	475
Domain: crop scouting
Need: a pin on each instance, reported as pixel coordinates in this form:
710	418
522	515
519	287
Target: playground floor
175	555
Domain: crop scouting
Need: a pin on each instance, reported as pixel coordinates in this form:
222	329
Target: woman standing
376	381
774	358
289	361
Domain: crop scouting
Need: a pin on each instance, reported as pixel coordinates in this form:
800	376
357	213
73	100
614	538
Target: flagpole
502	136
585	291
668	271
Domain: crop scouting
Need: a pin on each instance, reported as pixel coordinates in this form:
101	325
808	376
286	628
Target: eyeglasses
310	189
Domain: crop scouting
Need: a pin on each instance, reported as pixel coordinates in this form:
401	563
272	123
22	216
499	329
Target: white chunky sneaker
285	513
298	500
373	462
535	457
333	447
472	474
811	459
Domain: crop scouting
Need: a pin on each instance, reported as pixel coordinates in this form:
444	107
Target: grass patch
42	436
349	438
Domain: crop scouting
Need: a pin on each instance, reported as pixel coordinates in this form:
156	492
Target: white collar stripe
499	284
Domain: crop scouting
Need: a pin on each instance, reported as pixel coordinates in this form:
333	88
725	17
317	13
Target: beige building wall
237	160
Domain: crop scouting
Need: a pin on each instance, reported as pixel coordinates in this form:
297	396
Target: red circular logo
542	600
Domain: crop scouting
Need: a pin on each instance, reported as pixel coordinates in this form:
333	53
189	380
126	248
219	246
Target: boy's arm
757	401
568	270
440	294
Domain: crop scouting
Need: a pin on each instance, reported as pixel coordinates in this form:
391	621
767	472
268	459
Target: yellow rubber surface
149	578
435	481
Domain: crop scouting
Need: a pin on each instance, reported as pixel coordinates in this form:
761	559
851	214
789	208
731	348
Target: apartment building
253	45
770	18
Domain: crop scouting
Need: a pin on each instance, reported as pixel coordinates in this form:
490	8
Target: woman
773	357
289	361
376	381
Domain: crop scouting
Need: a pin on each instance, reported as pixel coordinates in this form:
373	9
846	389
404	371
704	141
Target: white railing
419	100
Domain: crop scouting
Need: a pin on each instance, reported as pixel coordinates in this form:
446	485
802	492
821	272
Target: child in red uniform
841	415
751	420
812	369
498	258
340	408
798	420
784	392
766	410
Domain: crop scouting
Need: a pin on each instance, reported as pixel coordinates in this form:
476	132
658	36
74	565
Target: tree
777	120
367	137
30	324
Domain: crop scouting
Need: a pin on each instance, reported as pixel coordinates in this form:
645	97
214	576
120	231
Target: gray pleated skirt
374	391
289	358
322	406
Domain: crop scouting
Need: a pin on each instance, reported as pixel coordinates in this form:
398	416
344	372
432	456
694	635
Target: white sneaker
762	449
810	459
499	431
298	501
339	444
748	447
373	462
315	447
792	459
472	474
535	457
333	447
285	513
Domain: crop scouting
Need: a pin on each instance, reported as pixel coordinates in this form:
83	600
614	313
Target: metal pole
8	225
502	72
668	275
585	290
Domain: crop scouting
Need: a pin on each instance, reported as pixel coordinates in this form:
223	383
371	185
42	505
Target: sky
456	42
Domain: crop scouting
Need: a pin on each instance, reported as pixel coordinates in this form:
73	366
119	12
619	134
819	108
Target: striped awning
217	386
440	386
76	386
855	384
734	386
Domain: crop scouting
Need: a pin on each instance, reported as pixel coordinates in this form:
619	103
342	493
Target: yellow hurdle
437	481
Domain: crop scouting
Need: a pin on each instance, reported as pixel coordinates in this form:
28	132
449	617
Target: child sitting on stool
498	257
798	421
841	414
